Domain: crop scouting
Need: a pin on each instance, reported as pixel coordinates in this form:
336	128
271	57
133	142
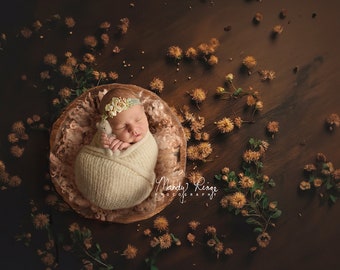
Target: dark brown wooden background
307	235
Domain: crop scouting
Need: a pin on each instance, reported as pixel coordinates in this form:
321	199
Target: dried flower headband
117	105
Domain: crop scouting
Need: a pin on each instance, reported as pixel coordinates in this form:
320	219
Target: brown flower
211	230
193	224
225	125
191	238
48	259
90	41
198	95
17	151
66	70
130	252
69	22
89	58
175	52
161	223
263	239
191	53
50	59
165	241
251	156
195	177
333	120
14	181
317	182
41	221
273	127
247	182
224	202
156	85
304	185
238	200
249	62
212	60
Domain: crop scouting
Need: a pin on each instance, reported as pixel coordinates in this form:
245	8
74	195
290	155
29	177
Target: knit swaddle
122	180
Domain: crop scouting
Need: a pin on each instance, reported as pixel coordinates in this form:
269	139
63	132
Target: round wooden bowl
76	127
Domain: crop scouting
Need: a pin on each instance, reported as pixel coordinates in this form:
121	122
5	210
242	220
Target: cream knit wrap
122	180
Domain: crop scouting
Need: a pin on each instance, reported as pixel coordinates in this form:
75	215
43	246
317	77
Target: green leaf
271	183
218	176
258	230
276	214
333	198
252	221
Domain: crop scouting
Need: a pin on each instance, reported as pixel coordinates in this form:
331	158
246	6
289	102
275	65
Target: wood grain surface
305	58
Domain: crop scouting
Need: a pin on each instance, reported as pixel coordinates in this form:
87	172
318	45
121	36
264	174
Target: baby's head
126	115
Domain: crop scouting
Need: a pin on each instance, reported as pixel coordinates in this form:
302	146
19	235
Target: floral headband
117	105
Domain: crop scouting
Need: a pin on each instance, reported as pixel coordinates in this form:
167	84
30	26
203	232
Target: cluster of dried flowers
161	239
80	242
246	192
200	148
323	178
204	52
213	242
41	222
6	180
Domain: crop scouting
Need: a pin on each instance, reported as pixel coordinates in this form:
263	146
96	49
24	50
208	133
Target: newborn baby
126	177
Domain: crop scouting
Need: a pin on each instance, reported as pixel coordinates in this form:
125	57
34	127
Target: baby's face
130	125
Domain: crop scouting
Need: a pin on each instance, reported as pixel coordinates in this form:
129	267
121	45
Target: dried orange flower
89	58
105	25
161	223
69	22
191	238
165	241
50	59
219	248
229	251
258	17
321	157
124	25
147	232
18	128
14	181
259	105
65	92
17	151
333	120
277	29
214	42
237	200
105	39
191	53
304	185
74	227
193	225
195	177
309	167
251	101
211	230
37	25
90	41
156	85
250	156
212	60
13	138
26	32
267	75
66	70
113	75
238	122
247	182
48	259
225	125
198	95
263	239
175	52
130	252
2	166
317	182
224	201
273	127
41	221
249	62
